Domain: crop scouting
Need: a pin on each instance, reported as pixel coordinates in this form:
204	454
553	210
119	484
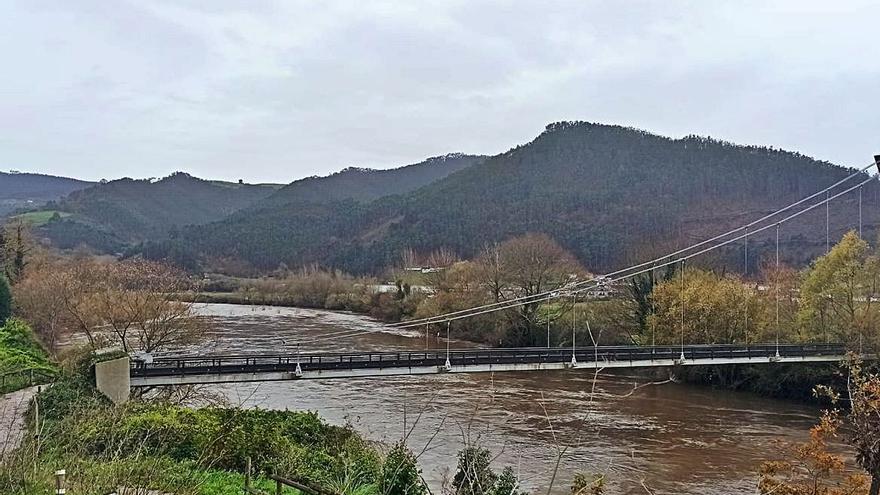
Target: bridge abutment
113	379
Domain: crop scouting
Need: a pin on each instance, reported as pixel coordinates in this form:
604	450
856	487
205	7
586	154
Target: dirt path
13	408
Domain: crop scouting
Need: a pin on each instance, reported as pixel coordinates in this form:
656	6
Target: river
671	438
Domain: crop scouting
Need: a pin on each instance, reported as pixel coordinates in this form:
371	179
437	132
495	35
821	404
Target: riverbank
785	381
193	442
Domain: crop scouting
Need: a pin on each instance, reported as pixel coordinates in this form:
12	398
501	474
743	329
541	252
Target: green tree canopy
714	309
839	292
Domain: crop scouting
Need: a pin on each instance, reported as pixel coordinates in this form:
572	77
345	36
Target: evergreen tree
5	299
474	476
400	473
508	483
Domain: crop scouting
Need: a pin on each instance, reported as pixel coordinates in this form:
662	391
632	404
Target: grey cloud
280	90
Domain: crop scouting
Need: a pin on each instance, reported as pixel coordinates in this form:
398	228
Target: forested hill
21	189
120	214
609	194
108	216
362	184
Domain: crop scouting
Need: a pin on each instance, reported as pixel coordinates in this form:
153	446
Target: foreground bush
169	447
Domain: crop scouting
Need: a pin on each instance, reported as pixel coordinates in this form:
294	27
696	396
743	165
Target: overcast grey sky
274	91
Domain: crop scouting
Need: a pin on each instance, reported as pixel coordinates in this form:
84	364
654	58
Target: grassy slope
19	350
41	217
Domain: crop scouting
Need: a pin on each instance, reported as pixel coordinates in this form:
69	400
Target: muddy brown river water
671	438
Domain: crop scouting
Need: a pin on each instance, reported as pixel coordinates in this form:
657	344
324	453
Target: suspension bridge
181	370
244	368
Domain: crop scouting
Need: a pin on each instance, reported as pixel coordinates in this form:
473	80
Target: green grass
40	218
20	350
88	476
229	483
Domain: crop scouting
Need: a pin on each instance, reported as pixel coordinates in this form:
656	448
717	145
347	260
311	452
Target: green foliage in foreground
186	451
400	473
19	350
476	477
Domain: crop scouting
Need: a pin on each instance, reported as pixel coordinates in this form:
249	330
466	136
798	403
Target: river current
666	438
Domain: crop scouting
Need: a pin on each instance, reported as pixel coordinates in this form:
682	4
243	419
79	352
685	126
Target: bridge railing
243	363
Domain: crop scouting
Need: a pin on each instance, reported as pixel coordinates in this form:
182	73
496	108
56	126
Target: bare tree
136	300
132	302
39	299
526	267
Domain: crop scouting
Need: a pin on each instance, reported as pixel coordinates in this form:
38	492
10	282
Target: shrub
400	473
474	476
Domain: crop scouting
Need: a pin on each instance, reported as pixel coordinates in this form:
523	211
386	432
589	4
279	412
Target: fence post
247	474
60	482
277	487
37	415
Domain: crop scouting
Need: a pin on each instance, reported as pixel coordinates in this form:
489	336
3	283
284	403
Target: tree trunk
875	485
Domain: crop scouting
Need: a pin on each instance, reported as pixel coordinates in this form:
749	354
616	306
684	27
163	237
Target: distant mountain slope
19	190
610	194
362	184
300	210
111	216
127	210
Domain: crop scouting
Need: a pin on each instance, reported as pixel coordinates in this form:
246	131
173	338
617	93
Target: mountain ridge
118	215
607	193
365	184
25	189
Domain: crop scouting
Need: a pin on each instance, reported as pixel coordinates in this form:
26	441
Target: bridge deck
244	368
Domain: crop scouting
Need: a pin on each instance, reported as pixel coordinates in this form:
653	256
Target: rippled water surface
672	438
